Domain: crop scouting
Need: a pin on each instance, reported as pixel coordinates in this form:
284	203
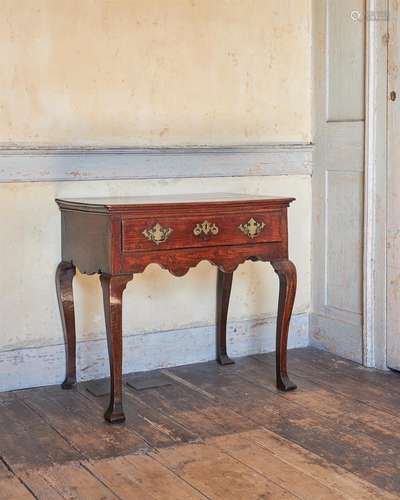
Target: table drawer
169	232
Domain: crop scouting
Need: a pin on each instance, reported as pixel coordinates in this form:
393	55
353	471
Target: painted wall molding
37	366
33	164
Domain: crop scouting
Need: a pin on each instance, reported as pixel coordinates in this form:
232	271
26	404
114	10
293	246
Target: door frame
375	192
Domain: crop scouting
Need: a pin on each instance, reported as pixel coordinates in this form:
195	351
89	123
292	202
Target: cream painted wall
154	72
143	73
155	300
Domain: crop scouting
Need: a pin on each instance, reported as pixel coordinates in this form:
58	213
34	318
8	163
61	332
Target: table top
192	198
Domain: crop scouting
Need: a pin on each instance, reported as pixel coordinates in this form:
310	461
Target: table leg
286	271
224	285
113	288
64	276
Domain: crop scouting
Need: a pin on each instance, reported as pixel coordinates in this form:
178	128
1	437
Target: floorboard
246	450
214	432
345	411
218	475
371	392
311	464
141	477
67	481
27	439
155	427
82	426
355	451
13	489
203	415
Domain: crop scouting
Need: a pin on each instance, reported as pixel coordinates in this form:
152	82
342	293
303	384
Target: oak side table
118	237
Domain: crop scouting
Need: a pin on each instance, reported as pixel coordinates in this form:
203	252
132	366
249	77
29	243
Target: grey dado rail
30	164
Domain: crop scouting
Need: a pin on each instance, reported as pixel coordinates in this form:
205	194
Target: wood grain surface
217	432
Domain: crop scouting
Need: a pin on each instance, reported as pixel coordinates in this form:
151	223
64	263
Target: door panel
344	198
350	155
345	69
338	176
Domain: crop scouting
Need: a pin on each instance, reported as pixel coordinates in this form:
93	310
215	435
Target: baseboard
28	164
33	367
337	337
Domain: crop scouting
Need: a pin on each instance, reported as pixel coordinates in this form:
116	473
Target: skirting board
337	337
60	164
34	367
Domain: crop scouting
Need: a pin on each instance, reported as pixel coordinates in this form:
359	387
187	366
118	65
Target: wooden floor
214	432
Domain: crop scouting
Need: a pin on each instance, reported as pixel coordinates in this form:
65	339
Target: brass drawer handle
252	228
157	234
206	228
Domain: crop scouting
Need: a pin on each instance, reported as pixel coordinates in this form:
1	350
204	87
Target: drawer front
165	233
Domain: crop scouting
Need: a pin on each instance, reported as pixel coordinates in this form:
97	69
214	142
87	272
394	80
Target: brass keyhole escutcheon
206	229
393	95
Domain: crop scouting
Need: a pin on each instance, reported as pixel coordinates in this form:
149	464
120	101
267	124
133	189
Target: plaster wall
154	72
155	300
143	73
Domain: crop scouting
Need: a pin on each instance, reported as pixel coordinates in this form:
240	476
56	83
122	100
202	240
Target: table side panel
86	241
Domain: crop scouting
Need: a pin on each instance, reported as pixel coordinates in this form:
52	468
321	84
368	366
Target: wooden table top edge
94	204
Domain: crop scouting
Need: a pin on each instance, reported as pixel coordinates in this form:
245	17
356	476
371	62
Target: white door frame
375	197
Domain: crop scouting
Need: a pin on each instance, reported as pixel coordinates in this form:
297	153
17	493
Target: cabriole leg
286	271
113	288
64	276
224	285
